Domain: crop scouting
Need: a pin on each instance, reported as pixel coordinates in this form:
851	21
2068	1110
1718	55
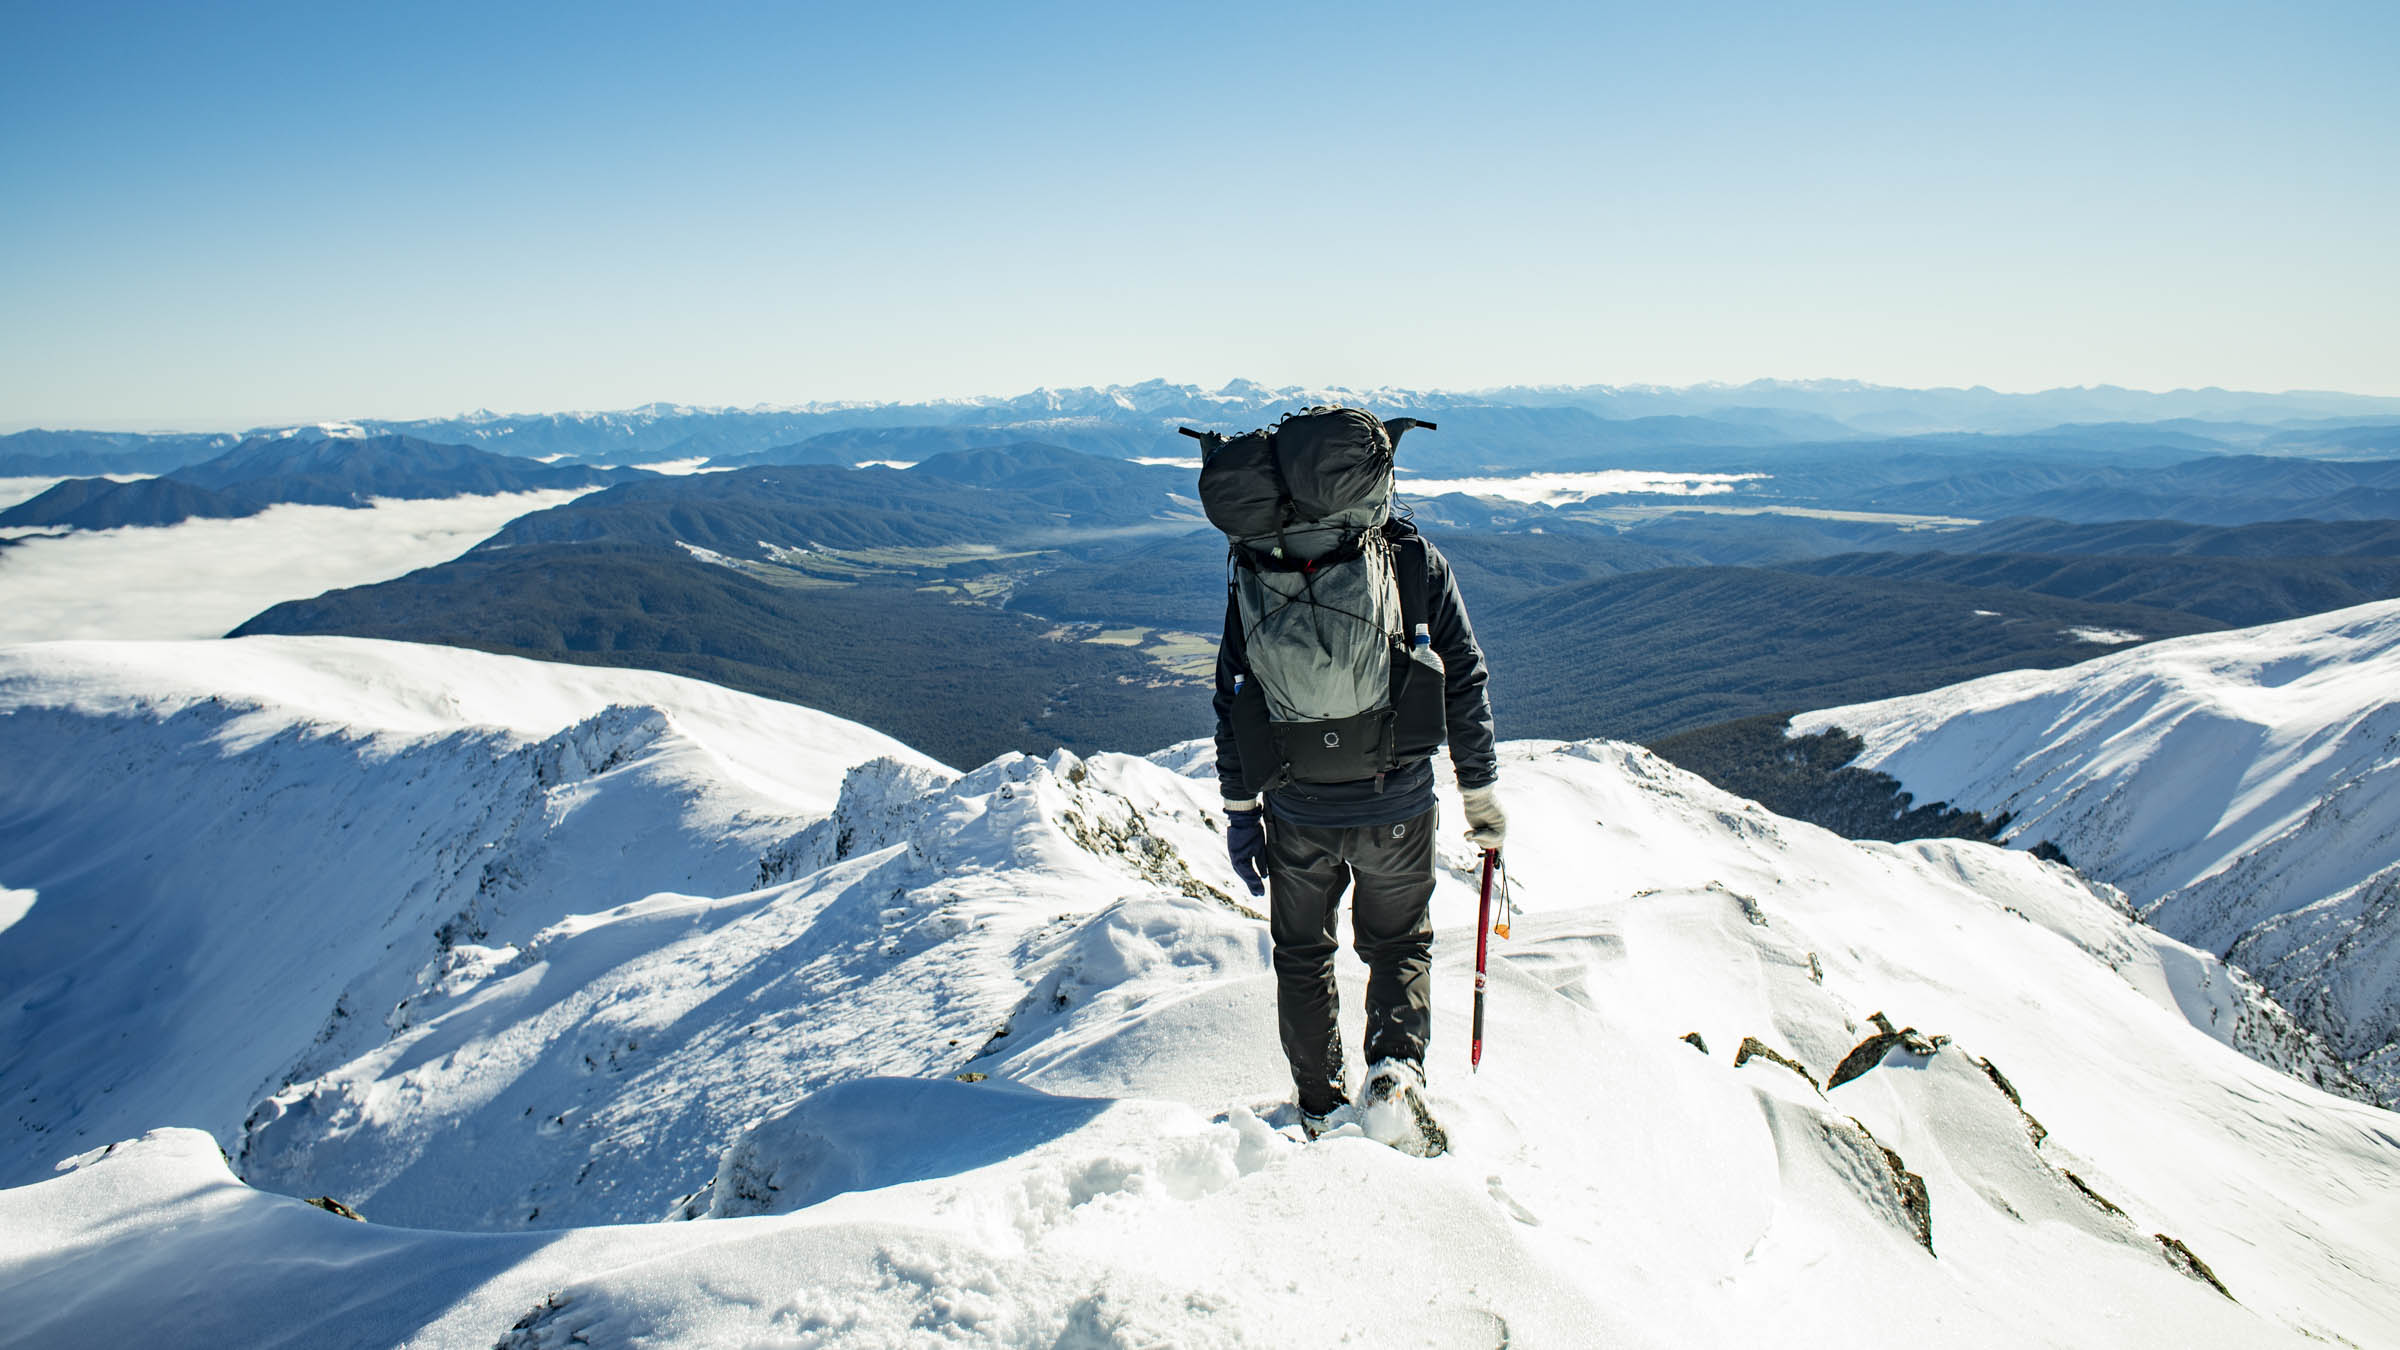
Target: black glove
1246	843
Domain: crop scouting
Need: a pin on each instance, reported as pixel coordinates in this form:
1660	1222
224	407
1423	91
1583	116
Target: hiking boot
1393	1111
1316	1127
1337	1113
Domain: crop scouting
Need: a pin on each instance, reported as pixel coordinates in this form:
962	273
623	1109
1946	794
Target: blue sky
217	215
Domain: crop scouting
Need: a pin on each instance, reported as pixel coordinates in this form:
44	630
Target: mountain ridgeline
1514	428
268	471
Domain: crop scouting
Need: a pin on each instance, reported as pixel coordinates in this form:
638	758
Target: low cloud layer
203	577
1559	489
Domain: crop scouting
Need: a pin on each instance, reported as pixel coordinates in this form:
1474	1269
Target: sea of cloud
1549	489
204	577
1560	489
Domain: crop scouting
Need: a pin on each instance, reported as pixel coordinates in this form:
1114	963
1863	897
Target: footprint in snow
1509	1202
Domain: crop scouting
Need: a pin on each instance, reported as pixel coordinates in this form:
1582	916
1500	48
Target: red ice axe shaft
1483	939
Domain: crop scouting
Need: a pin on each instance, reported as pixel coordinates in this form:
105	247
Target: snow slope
989	1059
2243	787
246	854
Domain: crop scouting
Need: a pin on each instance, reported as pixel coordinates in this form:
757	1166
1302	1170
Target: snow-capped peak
338	431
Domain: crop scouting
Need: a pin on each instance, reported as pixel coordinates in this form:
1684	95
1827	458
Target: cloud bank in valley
1560	489
203	577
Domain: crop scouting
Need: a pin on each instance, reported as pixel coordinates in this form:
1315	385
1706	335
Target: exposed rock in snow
1874	1050
2242	787
1753	1048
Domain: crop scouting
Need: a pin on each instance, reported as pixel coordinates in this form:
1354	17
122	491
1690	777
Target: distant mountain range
267	470
55	454
1517	427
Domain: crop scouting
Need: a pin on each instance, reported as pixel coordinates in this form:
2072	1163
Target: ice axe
1483	938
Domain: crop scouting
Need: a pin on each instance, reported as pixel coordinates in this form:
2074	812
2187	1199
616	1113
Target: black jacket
1467	702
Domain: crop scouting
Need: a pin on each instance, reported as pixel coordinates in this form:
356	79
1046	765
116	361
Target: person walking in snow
1335	594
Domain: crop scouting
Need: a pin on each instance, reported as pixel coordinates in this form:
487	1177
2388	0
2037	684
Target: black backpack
1330	593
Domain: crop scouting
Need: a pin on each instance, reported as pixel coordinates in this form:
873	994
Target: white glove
1487	824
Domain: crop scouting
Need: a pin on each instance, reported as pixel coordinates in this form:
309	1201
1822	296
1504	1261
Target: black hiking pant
1308	868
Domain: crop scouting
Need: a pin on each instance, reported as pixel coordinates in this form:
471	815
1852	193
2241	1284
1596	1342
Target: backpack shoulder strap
1410	570
1417	705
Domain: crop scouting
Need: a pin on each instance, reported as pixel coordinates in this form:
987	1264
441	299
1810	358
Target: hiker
1347	660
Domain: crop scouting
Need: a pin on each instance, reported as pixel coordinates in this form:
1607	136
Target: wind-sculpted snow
249	858
568	1077
2243	788
989	1059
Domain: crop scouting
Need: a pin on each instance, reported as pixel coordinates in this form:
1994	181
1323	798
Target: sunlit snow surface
202	578
568	983
2244	787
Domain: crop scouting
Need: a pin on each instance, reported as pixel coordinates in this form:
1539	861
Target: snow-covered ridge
2243	787
989	1059
790	756
275	841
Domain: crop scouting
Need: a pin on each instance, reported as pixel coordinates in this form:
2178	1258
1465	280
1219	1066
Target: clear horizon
274	213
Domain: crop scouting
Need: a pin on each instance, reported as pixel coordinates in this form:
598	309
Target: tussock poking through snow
989	1059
